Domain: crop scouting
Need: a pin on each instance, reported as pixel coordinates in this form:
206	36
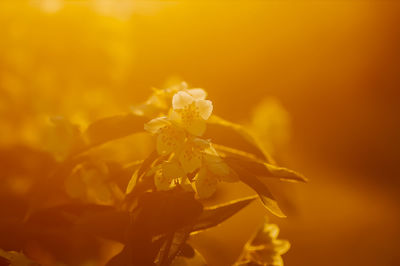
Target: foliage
61	207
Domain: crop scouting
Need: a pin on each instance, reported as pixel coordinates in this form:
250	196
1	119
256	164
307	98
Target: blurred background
329	70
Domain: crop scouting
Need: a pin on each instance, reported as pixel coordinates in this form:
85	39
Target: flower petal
198	94
196	127
156	124
190	159
181	99
169	139
205	184
175	117
217	166
205	108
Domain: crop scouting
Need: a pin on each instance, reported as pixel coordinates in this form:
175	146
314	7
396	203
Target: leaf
262	190
109	224
54	229
167	211
158	215
99	220
132	182
16	258
229	134
110	128
137	253
147	163
139	182
262	169
173	246
195	260
215	215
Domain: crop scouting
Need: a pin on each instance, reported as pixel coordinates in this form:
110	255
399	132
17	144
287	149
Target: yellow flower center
171	136
190	113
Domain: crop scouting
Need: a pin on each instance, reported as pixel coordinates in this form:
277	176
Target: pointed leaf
233	135
262	190
265	195
173	246
262	169
110	128
215	215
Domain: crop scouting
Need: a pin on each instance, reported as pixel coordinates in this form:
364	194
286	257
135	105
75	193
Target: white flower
170	138
213	170
190	156
190	110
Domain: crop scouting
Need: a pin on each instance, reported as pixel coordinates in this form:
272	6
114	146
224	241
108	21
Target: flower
158	102
191	110
191	156
213	170
264	248
170	138
183	162
189	113
178	135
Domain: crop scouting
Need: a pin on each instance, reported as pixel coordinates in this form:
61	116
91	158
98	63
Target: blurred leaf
262	169
62	137
109	224
215	215
139	182
54	231
264	248
233	135
167	211
111	128
158	215
16	258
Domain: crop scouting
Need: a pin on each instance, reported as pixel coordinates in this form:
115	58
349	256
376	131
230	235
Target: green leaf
139	182
99	220
265	195
215	215
262	190
168	211
145	166
229	134
132	182
175	242
109	224
160	217
262	169
110	128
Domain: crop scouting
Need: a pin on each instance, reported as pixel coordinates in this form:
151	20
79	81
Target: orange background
335	66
